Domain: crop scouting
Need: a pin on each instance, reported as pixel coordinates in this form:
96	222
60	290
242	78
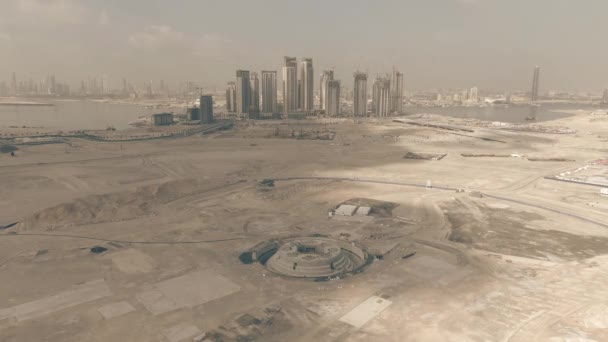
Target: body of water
73	115
511	114
77	115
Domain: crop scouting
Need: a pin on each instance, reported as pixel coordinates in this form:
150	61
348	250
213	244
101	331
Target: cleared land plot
115	309
189	290
181	332
84	293
132	261
365	311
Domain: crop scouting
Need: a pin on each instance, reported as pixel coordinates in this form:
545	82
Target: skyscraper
307	86
381	96
300	93
149	90
605	96
333	98
243	92
326	76
474	95
535	84
269	91
231	97
52	85
290	85
163	89
396	86
4	89
206	109
255	91
13	85
105	85
360	94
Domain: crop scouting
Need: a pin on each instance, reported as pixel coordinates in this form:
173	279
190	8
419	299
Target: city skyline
100	86
465	43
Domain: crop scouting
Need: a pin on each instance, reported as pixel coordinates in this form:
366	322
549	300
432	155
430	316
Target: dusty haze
436	43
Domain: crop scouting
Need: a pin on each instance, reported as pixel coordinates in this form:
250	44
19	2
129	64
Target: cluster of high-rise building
329	94
204	112
94	87
464	97
243	96
48	86
292	90
387	94
298	93
251	94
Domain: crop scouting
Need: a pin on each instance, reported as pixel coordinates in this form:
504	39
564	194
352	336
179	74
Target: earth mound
111	207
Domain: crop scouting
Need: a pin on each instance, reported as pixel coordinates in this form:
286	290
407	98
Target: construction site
422	228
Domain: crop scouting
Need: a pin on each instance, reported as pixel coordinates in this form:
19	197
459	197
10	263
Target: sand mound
109	207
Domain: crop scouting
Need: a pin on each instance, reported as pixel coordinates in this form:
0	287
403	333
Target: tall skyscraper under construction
326	76
206	109
333	98
255	91
396	85
360	94
381	96
269	91
231	97
306	93
535	84
243	92
290	85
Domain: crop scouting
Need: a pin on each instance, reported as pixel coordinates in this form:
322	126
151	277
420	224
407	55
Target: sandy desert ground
512	256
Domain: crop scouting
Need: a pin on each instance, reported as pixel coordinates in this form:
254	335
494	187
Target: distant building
149	91
535	84
206	109
396	87
231	97
255	92
464	95
381	96
4	90
162	119
333	98
290	85
605	96
14	89
474	95
269	92
360	94
105	84
306	93
243	92
194	114
326	76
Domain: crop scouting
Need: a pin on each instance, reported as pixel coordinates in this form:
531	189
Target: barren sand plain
491	251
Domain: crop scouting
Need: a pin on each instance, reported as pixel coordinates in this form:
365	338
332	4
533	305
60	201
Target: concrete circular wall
315	257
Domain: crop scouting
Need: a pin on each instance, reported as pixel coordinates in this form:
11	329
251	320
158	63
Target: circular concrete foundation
313	257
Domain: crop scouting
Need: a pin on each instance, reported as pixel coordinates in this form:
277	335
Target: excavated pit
309	257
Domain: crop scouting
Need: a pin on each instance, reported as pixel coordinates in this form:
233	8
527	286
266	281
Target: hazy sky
435	43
